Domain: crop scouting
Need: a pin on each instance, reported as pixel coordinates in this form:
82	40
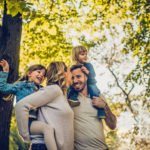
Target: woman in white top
53	109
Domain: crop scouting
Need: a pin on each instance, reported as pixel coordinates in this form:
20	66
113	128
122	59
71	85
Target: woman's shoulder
54	88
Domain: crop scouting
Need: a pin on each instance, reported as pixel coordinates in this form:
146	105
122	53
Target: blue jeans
38	147
94	91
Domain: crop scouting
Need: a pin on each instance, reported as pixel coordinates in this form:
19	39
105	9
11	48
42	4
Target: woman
53	109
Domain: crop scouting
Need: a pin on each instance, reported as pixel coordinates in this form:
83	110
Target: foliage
50	27
116	32
43	39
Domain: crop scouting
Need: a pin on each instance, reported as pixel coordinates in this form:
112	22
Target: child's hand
85	70
26	138
4	65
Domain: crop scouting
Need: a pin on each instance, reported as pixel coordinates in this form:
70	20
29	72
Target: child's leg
94	91
72	96
38	127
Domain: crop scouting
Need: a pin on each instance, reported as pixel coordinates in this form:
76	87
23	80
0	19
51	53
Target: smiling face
79	54
82	57
37	76
79	80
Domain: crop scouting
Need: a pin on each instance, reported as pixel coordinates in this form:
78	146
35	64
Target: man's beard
81	89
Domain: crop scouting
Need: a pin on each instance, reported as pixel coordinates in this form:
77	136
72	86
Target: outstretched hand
4	65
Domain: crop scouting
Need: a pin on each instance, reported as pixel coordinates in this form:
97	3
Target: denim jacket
20	88
92	75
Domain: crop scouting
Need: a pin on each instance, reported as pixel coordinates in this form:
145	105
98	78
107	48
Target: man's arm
110	117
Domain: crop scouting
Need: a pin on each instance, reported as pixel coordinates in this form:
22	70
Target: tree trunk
10	36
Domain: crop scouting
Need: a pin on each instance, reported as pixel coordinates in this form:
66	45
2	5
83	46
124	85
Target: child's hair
75	53
55	74
31	69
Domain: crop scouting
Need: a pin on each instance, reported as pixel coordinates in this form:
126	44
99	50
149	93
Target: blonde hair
55	74
75	53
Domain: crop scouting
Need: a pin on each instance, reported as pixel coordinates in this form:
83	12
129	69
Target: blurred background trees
117	34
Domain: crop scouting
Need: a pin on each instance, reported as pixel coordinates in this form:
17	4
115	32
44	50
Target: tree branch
127	99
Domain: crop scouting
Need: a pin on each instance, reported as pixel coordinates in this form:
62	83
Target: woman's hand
4	65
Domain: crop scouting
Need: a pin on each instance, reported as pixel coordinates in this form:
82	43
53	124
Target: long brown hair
55	74
31	69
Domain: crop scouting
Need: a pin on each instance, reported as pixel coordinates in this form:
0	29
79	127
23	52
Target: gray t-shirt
89	132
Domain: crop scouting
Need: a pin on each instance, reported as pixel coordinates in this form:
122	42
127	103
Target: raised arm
7	88
110	119
35	100
4	65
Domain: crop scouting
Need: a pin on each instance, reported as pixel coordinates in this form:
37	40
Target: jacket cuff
3	74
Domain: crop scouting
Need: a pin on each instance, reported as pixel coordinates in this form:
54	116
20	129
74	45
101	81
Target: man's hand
99	102
110	119
4	65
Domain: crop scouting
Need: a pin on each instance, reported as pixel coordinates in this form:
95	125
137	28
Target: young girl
79	56
28	84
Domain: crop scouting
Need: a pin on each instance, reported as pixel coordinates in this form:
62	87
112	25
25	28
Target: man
89	132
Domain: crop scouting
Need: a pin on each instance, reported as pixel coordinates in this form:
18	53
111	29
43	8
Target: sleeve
35	100
91	70
7	88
